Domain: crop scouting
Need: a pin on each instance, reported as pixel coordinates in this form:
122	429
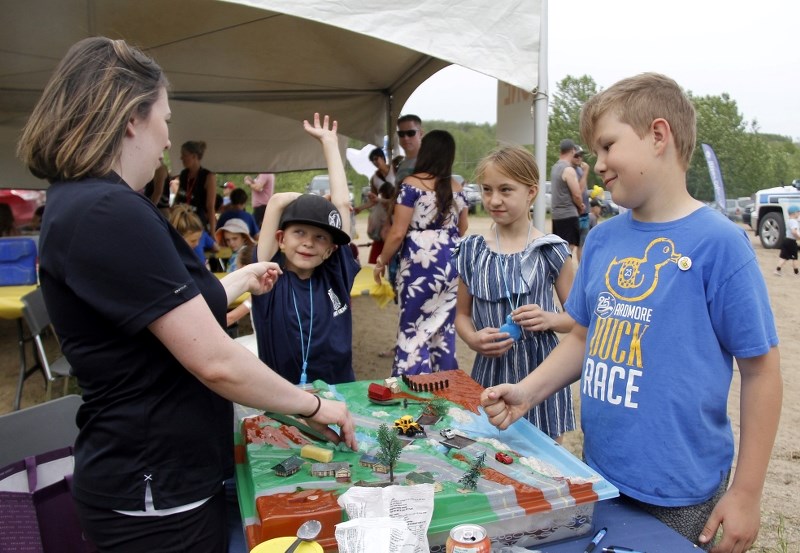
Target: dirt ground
374	330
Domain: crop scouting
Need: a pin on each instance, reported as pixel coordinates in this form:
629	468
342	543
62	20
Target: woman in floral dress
429	218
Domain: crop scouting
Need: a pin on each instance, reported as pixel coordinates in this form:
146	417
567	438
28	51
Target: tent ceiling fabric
244	73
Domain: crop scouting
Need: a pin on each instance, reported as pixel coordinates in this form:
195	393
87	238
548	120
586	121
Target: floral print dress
427	285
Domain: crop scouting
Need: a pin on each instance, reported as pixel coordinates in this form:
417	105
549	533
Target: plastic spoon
308	531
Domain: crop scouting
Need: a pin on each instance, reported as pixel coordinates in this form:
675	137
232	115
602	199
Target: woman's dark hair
196	147
435	159
377	152
77	127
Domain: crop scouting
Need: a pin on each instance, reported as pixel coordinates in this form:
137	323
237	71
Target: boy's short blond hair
640	100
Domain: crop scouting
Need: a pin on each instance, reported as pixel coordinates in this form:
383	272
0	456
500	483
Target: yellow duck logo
635	278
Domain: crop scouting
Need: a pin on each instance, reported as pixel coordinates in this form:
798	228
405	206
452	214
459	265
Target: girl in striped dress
505	309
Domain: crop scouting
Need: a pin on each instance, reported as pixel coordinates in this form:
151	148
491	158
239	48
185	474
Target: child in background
378	221
595	210
789	244
189	225
245	257
234	234
304	325
666	295
236	210
505	309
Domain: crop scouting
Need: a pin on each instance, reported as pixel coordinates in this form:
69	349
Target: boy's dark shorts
568	229
788	248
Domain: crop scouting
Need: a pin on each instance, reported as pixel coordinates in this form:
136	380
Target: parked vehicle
768	216
23	203
734	208
447	433
473	193
321	186
548	199
609	208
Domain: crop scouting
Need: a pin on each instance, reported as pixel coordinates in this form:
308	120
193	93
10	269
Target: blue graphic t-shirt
667	306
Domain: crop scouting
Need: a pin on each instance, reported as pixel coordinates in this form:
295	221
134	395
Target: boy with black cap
304	325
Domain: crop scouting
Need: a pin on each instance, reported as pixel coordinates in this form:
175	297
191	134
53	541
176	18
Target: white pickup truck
768	218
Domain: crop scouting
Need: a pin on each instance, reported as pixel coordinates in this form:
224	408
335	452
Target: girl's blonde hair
514	162
185	220
77	127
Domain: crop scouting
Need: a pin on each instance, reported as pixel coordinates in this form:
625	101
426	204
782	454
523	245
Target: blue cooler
17	261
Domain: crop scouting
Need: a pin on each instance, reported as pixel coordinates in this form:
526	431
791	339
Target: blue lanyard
304	348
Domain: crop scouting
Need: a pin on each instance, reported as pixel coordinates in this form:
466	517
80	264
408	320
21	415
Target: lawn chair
38	321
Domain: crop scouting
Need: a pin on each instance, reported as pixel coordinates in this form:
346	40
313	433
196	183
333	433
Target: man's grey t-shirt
562	205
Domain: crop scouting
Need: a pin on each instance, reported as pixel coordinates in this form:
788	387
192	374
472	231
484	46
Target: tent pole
540	98
389	133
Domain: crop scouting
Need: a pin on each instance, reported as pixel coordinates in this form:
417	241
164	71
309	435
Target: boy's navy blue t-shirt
280	315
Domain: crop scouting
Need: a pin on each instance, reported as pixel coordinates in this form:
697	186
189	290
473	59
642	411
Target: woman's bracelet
311	416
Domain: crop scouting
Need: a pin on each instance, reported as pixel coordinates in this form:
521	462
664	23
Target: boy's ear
329	251
662	134
279	238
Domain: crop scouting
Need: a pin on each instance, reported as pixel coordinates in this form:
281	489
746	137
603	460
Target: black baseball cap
311	209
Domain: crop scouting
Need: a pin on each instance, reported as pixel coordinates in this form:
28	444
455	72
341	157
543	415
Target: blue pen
596	540
619	549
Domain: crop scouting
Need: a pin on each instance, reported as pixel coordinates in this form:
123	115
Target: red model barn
378	392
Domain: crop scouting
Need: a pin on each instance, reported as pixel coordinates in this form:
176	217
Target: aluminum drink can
468	538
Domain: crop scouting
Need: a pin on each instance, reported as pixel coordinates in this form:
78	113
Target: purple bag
37	514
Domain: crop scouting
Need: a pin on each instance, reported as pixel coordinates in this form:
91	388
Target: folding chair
38	321
38	429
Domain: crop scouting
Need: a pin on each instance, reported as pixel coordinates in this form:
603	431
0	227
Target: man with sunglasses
409	134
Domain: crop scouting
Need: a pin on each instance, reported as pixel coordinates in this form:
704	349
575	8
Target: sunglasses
403	134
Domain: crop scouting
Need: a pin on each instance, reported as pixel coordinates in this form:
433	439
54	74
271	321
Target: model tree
390	448
437	407
470	479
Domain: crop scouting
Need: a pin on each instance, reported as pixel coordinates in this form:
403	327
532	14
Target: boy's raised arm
325	132
267	242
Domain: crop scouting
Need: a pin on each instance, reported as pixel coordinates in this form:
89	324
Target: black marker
620	549
595	540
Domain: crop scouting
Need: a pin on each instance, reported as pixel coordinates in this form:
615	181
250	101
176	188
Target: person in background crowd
261	190
789	242
429	218
227	188
409	134
566	195
236	210
196	185
8	226
141	320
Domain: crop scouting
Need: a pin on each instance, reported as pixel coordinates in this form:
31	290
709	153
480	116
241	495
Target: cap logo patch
335	219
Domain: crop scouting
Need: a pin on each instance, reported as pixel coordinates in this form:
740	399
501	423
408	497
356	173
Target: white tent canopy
243	73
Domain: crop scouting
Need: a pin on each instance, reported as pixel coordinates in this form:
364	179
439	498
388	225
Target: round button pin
684	263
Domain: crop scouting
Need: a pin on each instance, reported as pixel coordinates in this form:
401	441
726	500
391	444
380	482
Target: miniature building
367	460
423	477
339	470
392	384
288	466
381	468
378	392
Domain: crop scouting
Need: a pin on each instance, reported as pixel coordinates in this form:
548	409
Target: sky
710	47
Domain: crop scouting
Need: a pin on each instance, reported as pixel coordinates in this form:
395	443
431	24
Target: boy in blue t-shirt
304	325
666	295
